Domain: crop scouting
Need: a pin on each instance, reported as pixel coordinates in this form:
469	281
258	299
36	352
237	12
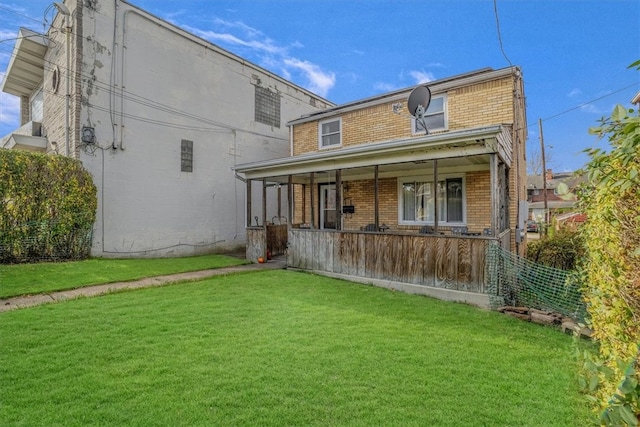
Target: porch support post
376	204
249	202
495	199
290	201
435	195
339	199
304	203
279	202
264	203
312	185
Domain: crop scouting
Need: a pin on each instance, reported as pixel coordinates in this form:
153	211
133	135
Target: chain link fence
44	241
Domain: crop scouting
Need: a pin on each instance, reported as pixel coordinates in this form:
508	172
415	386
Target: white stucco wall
175	87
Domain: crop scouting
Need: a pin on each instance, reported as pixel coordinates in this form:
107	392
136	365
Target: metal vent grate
267	107
186	156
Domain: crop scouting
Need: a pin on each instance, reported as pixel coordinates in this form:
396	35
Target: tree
534	161
611	271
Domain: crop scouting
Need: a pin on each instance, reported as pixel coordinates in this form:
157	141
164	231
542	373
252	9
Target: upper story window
416	201
436	116
330	133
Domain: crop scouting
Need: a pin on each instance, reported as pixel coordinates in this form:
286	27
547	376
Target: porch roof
456	144
26	67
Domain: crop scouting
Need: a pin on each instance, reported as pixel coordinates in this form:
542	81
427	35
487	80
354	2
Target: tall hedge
611	272
47	207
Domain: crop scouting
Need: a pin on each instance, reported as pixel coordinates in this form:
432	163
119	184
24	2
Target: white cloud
272	55
574	93
319	81
9	110
7	35
591	108
421	76
385	87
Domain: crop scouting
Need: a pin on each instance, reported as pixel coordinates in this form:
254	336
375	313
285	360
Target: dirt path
92	291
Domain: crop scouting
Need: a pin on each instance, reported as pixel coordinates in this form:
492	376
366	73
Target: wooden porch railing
449	262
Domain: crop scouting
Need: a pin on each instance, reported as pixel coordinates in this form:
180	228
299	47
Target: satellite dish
418	102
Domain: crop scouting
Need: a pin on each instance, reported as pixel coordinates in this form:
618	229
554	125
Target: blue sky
573	53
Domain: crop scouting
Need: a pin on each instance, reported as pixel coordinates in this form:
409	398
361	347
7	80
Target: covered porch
419	212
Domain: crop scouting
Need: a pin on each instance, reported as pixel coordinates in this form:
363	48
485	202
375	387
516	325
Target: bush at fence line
561	250
47	207
611	272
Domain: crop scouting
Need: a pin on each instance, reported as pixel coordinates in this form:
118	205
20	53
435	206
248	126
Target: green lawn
25	279
281	348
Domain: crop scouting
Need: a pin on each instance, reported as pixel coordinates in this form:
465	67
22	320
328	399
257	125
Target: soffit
26	67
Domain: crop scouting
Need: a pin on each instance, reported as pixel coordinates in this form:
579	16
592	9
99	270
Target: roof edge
436	86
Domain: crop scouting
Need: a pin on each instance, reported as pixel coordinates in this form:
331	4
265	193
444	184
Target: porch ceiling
26	67
24	142
469	148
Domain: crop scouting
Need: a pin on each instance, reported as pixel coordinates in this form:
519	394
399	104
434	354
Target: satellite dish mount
418	103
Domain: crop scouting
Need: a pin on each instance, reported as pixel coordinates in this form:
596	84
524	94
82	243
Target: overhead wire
141	100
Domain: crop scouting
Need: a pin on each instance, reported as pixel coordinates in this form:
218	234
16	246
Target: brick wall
360	194
471	106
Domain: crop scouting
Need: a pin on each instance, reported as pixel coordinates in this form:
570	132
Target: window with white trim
416	201
330	133
435	117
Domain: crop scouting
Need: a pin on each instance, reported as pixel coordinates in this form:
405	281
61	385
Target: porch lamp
65	11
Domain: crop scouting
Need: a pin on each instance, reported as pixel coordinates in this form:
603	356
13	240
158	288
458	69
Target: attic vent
267	107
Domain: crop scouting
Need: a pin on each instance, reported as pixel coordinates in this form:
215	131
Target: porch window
417	201
330	133
436	117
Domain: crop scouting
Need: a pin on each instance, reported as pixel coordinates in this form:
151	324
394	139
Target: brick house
558	200
372	197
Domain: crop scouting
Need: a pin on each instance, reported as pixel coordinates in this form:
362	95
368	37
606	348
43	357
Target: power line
585	104
495	12
19	14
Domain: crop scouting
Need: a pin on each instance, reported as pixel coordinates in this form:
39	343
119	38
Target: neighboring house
636	99
158	116
561	194
372	197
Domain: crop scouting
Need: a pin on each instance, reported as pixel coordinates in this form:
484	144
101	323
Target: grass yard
281	348
26	279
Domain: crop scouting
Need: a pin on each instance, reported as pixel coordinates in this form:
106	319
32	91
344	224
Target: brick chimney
549	175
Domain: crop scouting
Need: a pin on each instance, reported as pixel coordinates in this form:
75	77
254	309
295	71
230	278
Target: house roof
534	182
436	86
553	204
469	145
26	66
636	99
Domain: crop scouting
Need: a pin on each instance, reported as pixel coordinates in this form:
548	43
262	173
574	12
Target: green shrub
47	207
562	249
611	272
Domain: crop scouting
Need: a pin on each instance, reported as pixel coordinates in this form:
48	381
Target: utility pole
544	177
